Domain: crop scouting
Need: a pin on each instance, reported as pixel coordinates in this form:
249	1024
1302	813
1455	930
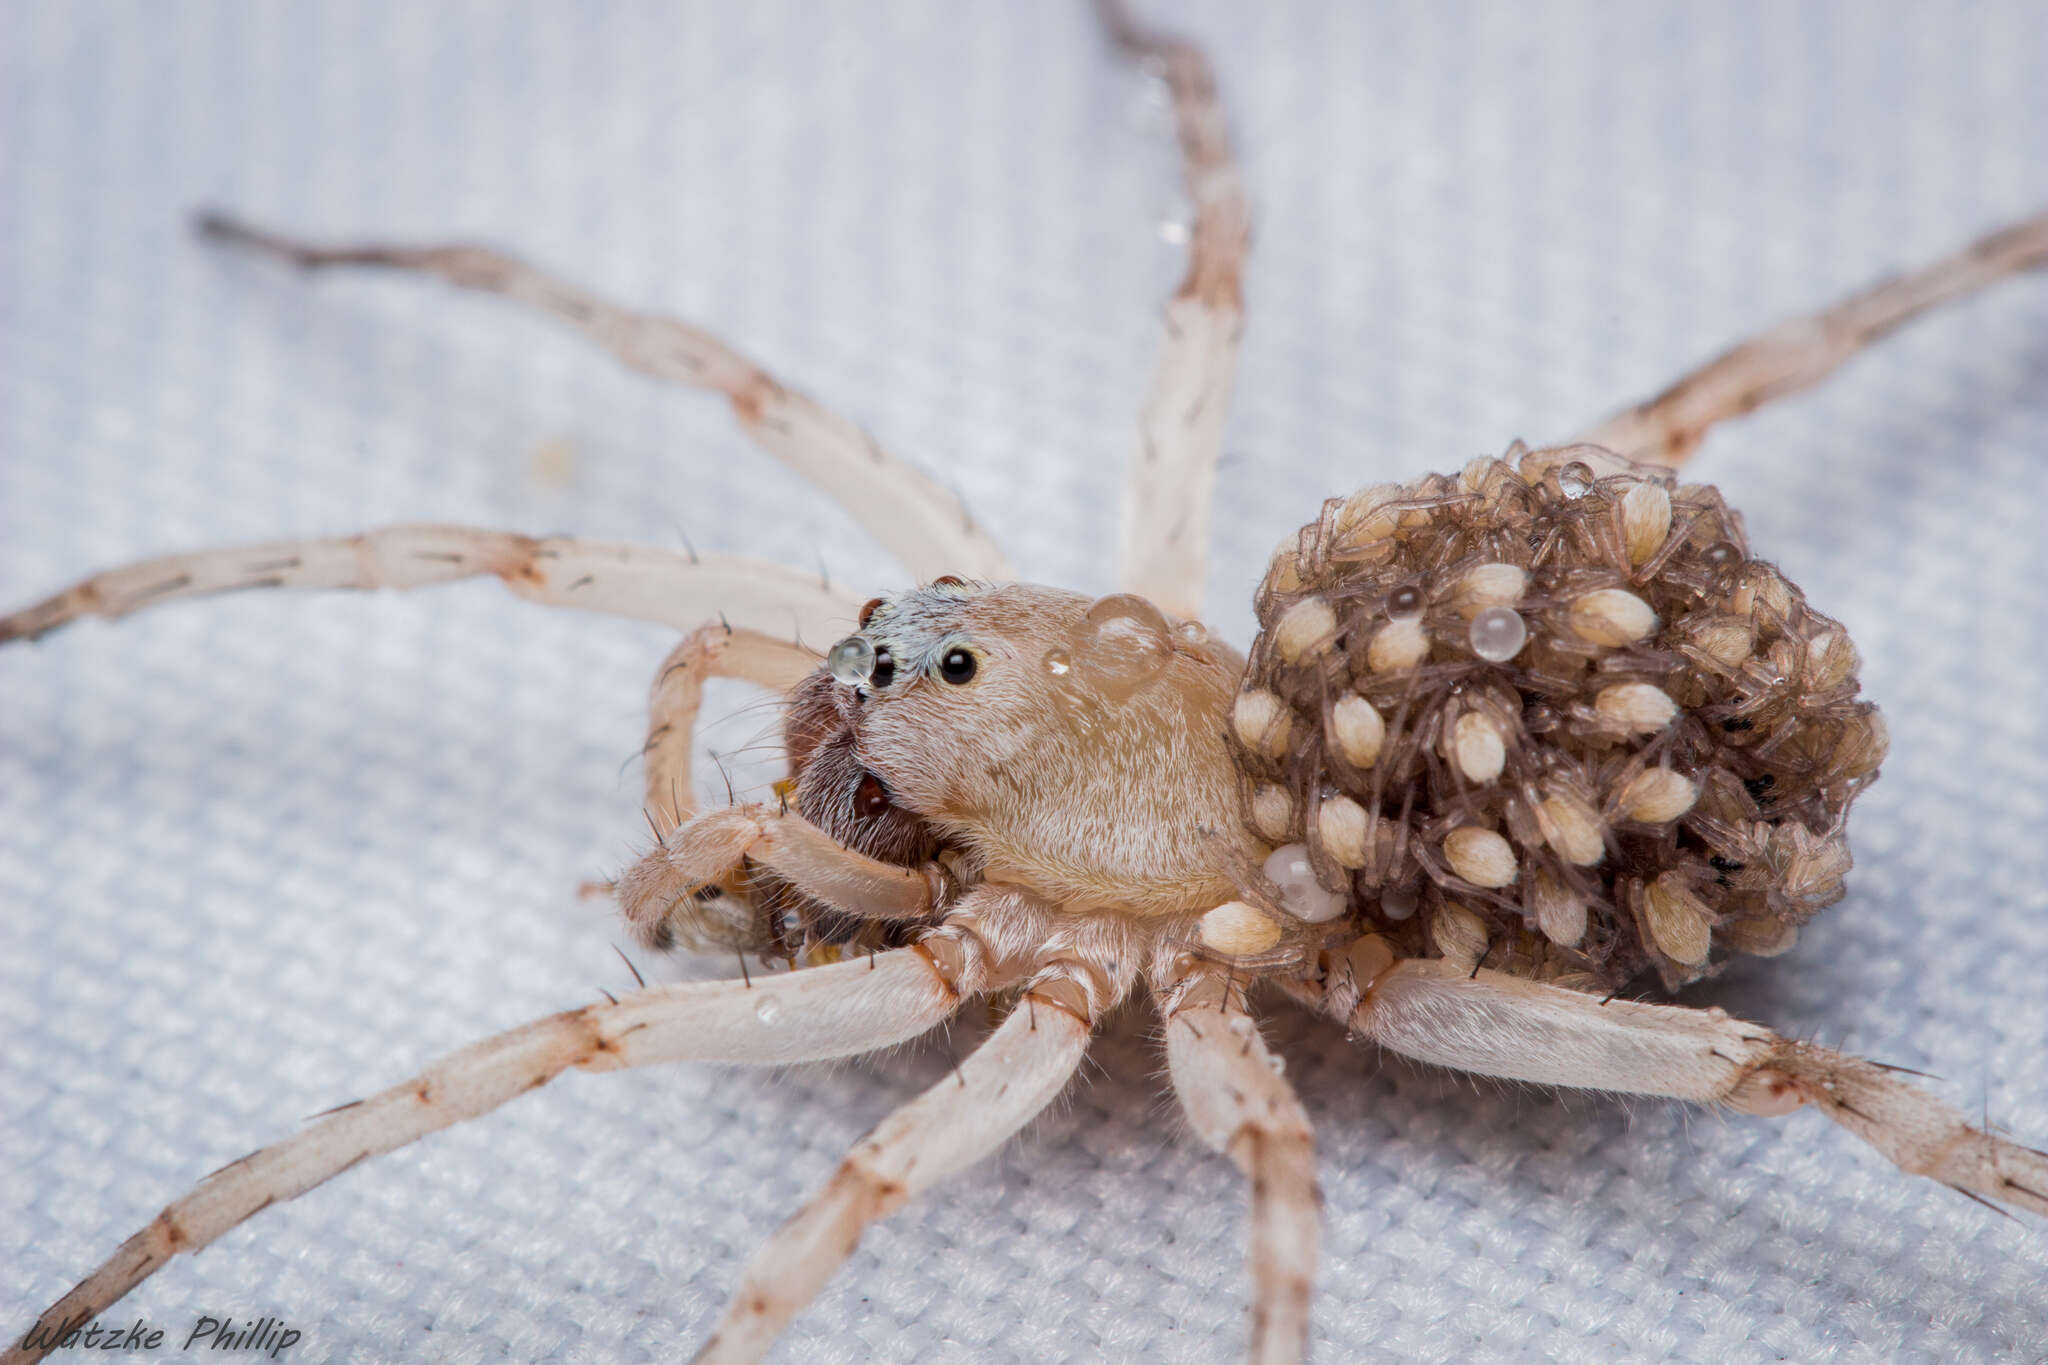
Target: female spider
936	680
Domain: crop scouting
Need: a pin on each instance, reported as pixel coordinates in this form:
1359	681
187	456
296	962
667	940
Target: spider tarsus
214	226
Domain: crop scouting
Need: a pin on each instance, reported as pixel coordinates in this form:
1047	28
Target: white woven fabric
265	854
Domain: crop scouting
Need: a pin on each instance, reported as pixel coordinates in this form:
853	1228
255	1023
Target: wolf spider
980	923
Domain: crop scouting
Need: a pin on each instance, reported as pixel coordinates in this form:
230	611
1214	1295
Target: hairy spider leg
924	525
1239	1103
1008	1080
709	849
717	650
1493	1024
821	1013
634	581
1800	352
1170	489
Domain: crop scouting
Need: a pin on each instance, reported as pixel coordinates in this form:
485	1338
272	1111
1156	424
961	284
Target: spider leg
711	651
819	1013
926	527
1799	353
675	590
1239	1104
1500	1025
986	1099
1170	492
709	849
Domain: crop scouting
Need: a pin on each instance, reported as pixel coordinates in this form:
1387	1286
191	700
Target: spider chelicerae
959	565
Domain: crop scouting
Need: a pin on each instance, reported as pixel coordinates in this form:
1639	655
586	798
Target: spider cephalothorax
1048	700
1548	714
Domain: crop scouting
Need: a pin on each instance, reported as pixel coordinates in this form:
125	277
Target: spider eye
884	669
957	665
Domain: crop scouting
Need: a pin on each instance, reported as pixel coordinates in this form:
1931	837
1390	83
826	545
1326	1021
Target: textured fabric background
265	854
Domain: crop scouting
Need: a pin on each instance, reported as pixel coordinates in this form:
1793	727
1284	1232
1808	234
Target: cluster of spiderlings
1548	716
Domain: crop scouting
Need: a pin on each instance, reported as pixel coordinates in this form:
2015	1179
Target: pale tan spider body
1042	906
1096	799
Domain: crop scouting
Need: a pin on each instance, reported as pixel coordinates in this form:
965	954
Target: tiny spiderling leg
1800	352
633	581
1240	1104
1493	1024
1170	491
824	1012
922	524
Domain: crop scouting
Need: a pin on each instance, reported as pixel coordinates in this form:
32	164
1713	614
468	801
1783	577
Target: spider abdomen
1549	714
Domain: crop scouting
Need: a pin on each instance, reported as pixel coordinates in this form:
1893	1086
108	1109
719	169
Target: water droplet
1191	633
767	1009
1058	662
1722	554
851	661
1288	867
1177	220
1398	903
1497	634
1121	645
1575	479
1405	604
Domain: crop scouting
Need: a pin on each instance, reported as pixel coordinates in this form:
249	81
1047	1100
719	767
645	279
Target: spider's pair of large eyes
957	665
